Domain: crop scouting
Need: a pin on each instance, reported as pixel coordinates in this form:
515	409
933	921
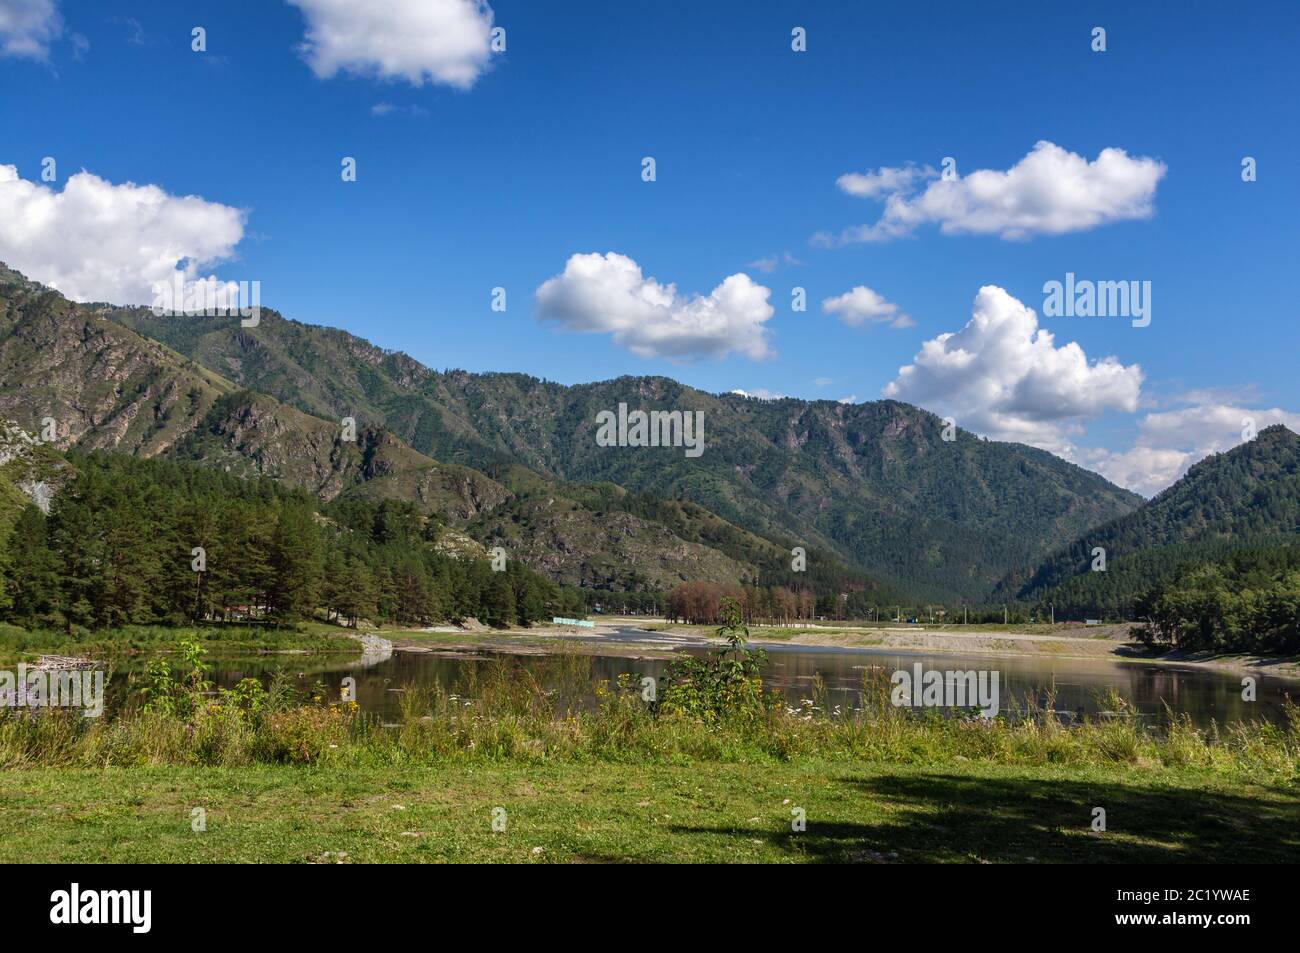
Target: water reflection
1079	685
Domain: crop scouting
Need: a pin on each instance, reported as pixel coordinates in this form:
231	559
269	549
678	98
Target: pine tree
355	594
499	601
295	562
32	573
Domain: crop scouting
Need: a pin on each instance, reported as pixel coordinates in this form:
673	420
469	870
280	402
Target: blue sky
466	186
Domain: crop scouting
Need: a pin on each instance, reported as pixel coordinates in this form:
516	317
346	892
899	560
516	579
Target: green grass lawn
576	812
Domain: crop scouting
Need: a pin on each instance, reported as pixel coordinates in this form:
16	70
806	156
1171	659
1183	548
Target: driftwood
60	663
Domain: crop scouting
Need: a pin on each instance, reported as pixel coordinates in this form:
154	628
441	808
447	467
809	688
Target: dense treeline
774	605
701	602
132	541
610	602
1248	601
1115	593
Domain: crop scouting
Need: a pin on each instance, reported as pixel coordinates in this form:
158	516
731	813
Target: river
1079	685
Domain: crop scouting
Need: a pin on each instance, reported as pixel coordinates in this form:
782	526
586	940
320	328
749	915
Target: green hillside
108	388
1249	495
873	484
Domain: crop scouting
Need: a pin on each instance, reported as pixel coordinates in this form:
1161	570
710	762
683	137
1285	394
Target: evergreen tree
295	562
499	601
32	572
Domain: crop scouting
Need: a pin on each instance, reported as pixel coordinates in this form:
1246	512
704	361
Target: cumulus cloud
760	393
434	41
608	294
861	306
1051	191
1003	376
1145	470
1170	442
28	27
96	241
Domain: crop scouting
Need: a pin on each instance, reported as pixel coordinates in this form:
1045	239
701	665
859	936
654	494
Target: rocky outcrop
38	472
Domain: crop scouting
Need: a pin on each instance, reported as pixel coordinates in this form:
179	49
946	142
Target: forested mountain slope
875	484
1248	496
105	387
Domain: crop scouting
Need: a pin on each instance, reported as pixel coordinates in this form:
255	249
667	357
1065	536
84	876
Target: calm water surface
1080	684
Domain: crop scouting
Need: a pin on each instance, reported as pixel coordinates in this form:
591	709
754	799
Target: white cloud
1050	191
1003	376
760	393
823	381
96	241
1236	395
28	27
1145	470
608	294
435	41
851	399
388	109
883	181
862	305
1169	442
769	263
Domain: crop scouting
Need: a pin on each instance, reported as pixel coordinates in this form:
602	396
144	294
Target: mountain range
878	492
874	486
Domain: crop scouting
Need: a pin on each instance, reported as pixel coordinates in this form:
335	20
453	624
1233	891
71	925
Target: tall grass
502	711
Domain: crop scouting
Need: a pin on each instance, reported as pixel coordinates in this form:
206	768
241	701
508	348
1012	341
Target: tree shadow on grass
952	818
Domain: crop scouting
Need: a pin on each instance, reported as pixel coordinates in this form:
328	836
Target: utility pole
1004	613
1053	605
965	616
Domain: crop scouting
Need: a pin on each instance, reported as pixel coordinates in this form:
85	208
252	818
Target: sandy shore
653	638
1099	643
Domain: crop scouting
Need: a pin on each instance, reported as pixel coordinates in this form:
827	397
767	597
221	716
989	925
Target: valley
232	513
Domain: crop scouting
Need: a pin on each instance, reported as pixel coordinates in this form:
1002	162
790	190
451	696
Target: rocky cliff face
92	384
96	384
30	472
605	549
251	434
